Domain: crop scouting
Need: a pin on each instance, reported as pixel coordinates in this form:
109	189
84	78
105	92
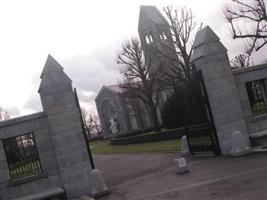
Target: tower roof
51	65
206	43
53	74
205	35
150	14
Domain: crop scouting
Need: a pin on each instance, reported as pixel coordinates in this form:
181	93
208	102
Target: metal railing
22	156
257	97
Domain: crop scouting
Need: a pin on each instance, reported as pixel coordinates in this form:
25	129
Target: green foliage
259	108
185	107
173	112
13	154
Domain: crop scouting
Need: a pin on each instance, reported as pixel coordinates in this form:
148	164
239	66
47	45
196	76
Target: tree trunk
154	116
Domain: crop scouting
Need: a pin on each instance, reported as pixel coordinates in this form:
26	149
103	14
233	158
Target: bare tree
242	60
3	114
183	27
138	82
252	12
92	124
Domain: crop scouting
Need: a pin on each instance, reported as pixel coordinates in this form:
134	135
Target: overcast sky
83	36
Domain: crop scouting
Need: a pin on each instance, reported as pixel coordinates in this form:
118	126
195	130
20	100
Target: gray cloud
34	103
13	111
88	73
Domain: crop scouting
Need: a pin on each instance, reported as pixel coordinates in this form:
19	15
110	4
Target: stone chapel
118	114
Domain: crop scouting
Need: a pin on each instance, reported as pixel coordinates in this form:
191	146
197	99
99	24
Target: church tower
156	39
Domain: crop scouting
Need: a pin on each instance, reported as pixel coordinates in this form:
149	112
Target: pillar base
99	186
239	146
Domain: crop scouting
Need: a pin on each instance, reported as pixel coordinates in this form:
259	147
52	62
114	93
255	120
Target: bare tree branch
92	124
3	114
254	12
138	81
242	60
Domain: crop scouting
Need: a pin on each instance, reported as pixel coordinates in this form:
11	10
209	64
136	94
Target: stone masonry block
64	118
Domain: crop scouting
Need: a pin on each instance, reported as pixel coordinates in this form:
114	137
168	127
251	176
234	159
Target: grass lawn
103	146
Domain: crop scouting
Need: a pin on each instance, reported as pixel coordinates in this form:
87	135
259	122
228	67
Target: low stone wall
256	125
49	178
134	133
153	137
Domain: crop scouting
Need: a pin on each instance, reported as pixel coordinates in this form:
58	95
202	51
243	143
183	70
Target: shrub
183	110
134	132
100	137
151	137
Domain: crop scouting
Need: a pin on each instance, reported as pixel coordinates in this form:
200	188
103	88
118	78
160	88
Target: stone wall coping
28	179
22	119
258	134
43	195
249	69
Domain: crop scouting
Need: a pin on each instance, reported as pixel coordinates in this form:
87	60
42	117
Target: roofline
249	69
22	119
160	14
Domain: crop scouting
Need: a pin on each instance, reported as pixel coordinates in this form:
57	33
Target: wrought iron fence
22	156
257	97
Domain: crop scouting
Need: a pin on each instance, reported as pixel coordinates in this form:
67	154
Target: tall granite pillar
58	102
210	56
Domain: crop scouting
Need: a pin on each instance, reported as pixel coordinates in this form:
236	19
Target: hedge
95	138
134	132
164	135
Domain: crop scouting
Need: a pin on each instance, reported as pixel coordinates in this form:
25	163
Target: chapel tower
156	39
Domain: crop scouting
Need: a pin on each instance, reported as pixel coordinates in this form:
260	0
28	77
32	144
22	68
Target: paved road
152	176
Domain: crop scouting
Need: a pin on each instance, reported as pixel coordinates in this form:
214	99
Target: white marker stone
181	165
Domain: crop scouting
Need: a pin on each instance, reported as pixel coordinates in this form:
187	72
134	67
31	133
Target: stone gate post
59	104
210	56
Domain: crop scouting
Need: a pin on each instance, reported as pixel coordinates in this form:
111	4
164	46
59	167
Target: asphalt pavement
150	176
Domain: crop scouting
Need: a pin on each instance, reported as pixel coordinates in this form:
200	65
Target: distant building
119	114
155	36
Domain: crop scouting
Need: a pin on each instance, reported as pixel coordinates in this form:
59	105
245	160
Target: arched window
149	38
162	35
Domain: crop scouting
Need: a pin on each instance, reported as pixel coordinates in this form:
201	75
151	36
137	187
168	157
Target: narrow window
257	97
147	39
22	156
162	35
151	38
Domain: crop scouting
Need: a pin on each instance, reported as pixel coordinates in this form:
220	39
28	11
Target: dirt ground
152	176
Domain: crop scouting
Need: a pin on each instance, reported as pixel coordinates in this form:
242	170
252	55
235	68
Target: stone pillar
185	151
59	104
210	56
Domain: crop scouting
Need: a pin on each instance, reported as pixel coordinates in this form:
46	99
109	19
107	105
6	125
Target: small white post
184	146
